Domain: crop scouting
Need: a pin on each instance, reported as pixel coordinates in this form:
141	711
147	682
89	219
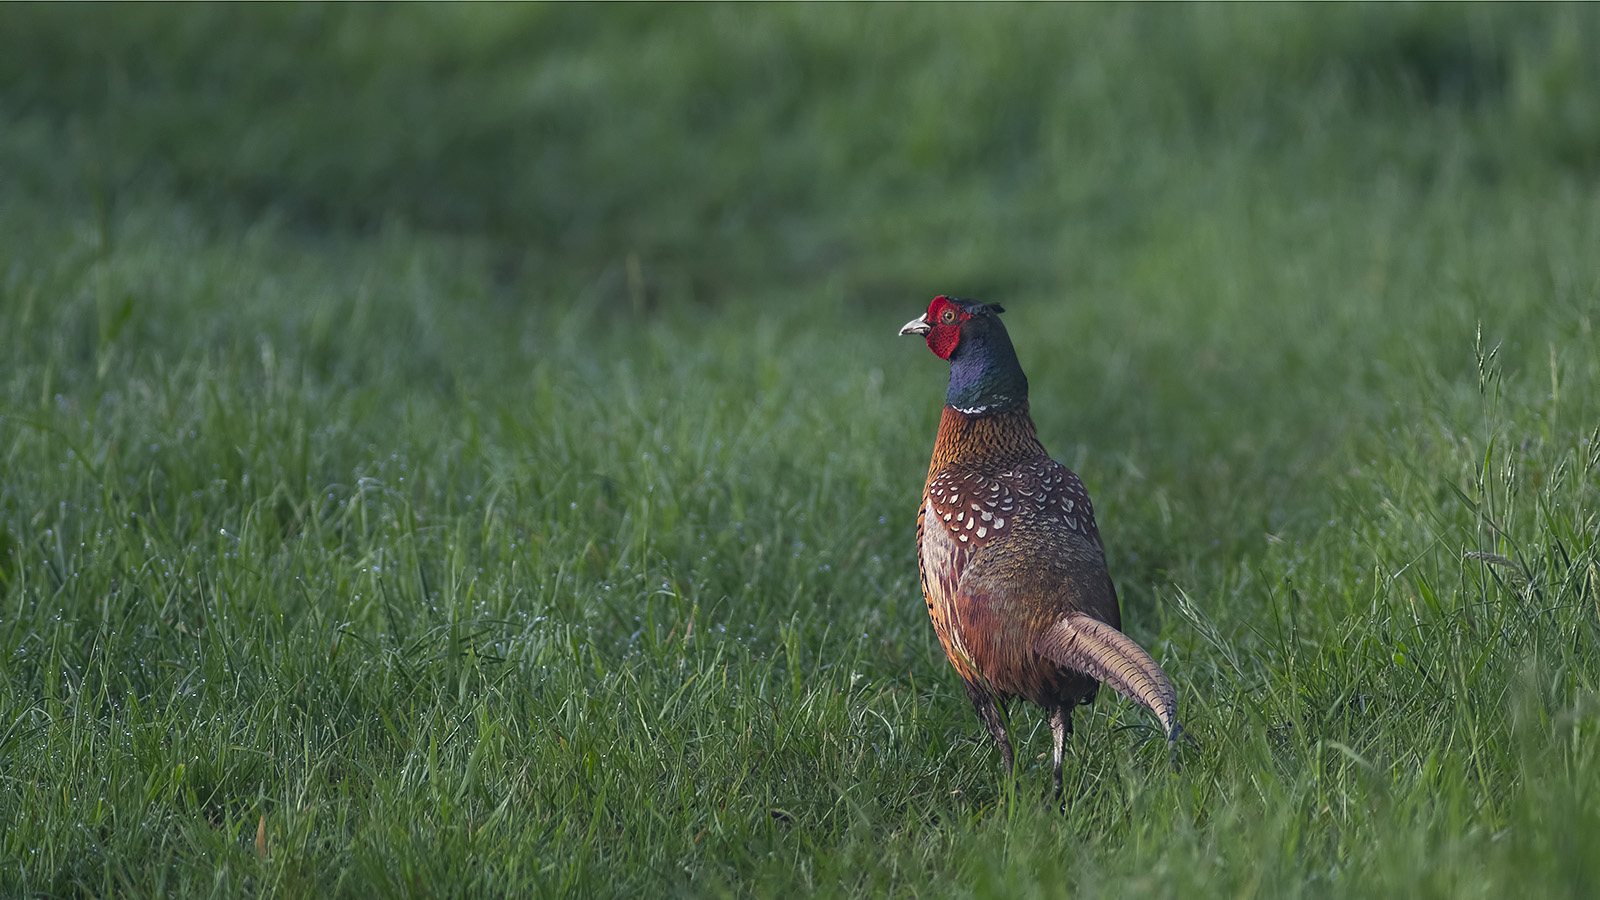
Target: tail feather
1090	646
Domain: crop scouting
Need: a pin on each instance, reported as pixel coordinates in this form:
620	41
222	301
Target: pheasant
1012	565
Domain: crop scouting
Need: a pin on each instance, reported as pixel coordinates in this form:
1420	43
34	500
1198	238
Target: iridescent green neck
985	376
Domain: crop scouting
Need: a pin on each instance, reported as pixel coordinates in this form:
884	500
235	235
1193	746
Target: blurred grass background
463	450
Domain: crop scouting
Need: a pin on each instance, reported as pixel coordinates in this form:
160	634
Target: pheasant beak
919	325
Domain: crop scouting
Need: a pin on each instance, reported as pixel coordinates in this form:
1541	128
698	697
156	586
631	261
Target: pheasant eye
948	316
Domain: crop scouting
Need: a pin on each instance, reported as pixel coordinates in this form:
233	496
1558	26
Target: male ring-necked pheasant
1012	565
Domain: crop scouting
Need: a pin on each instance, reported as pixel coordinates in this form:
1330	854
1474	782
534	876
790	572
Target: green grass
464	451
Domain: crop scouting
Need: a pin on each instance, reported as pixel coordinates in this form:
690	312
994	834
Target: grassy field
465	451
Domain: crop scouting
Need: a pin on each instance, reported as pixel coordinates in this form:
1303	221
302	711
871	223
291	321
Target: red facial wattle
945	319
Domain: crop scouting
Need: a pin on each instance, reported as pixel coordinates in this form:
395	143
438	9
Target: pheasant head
985	377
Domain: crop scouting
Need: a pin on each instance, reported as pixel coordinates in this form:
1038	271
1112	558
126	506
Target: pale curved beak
919	325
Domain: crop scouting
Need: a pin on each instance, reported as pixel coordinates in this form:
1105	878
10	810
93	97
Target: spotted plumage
981	501
1012	565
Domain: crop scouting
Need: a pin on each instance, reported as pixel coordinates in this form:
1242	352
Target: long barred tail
1088	645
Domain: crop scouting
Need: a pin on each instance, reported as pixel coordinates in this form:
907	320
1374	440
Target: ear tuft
995	307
